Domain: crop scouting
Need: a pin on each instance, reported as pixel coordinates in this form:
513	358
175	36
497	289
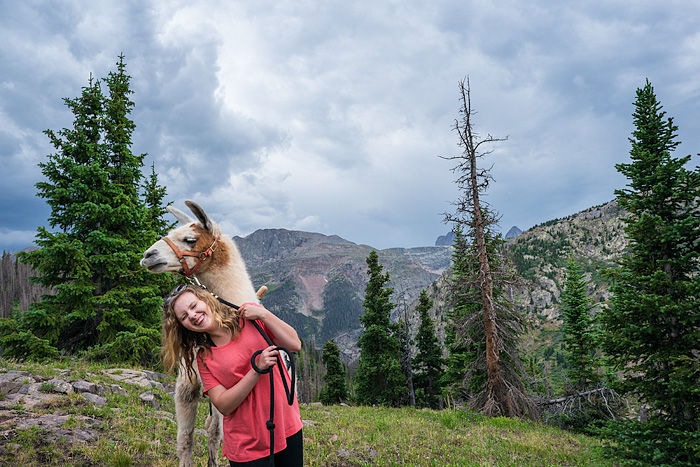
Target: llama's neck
230	281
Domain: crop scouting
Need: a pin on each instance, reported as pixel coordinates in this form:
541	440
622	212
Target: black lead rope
288	389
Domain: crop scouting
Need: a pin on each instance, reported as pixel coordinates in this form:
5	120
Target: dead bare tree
504	394
17	291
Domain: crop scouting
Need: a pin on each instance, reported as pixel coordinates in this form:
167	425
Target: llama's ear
179	215
200	215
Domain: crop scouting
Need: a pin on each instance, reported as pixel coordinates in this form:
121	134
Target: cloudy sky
331	116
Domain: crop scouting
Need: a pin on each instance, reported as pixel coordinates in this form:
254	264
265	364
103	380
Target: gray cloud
331	116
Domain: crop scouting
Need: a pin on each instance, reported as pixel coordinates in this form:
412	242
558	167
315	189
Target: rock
136	377
116	389
11	381
157	385
60	386
150	398
95	399
84	386
33	389
154	376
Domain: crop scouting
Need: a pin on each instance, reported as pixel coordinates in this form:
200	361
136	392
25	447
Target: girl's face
194	314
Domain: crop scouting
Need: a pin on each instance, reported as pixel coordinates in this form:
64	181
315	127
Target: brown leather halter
202	255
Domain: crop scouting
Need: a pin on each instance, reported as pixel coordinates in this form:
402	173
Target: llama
221	269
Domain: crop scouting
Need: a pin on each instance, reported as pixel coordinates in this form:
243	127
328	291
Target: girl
197	326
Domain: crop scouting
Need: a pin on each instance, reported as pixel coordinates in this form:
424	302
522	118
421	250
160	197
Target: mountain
445	240
317	282
513	232
594	237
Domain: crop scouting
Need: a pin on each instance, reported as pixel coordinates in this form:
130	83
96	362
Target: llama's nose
148	254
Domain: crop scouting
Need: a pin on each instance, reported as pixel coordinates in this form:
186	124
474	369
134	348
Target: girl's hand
252	311
267	358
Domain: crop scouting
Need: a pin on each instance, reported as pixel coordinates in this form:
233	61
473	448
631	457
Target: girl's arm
285	335
227	400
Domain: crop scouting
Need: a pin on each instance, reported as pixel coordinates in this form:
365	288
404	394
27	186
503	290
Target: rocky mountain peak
514	232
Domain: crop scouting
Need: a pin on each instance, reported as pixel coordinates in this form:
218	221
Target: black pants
291	456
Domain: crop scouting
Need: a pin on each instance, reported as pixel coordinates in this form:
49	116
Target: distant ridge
448	240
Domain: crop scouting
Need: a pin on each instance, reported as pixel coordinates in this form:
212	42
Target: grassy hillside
68	429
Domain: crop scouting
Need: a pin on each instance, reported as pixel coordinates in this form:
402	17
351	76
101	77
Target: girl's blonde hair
181	344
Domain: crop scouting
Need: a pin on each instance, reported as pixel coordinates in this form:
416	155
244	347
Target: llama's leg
215	434
187	395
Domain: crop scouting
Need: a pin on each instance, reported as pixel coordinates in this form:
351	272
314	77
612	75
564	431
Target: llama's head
201	238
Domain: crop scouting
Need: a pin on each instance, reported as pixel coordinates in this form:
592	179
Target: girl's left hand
252	311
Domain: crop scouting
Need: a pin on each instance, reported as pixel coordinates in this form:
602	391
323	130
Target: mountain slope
595	237
316	282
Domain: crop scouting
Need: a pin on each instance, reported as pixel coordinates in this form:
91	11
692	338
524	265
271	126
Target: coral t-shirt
246	437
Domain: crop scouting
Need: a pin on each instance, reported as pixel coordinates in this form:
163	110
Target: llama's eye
189	240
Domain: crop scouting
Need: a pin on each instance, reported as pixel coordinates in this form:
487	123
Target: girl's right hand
267	358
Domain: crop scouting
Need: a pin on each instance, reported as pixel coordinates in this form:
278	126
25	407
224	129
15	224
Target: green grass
129	433
362	436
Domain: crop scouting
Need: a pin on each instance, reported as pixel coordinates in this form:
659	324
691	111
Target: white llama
198	246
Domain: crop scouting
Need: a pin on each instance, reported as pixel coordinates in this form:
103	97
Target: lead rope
288	389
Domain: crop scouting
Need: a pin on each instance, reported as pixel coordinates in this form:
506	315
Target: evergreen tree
578	333
379	378
652	327
460	349
403	336
154	196
428	363
104	301
335	391
309	372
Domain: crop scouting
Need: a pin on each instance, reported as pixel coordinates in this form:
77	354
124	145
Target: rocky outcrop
514	232
445	240
594	237
27	399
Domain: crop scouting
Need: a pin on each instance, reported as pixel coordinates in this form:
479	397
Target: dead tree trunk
504	393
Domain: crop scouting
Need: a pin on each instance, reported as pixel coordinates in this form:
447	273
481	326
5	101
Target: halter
202	255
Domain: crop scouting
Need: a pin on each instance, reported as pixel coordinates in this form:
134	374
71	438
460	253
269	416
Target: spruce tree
154	197
457	381
403	336
379	378
428	364
335	391
652	327
578	332
99	228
